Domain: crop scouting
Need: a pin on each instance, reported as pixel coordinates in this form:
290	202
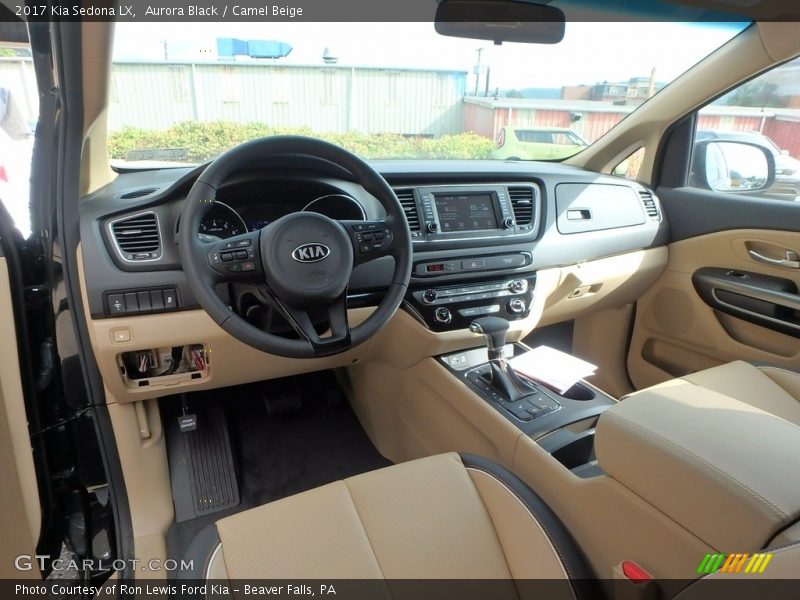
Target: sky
589	53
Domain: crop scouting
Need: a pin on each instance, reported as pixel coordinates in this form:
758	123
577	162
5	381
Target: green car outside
537	143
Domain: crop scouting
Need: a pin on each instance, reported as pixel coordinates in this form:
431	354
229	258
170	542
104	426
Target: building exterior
18	77
323	98
486	116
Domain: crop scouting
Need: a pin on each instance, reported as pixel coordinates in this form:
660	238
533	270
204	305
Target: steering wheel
303	260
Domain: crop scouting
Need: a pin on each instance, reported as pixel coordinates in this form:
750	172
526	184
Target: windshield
386	90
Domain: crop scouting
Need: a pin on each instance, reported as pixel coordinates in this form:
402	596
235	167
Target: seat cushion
442	517
773	390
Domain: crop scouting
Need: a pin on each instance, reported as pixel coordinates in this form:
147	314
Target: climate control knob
517	286
429	296
433	227
516	306
442	315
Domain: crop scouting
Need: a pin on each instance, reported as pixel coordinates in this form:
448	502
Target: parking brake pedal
186	422
202	468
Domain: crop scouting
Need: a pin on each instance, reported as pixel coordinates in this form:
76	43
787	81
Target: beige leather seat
443	517
771	389
448	517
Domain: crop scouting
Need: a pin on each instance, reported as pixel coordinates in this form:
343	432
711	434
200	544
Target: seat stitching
544	528
366	533
725	474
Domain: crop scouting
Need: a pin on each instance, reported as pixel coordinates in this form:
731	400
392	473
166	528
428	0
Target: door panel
20	517
677	332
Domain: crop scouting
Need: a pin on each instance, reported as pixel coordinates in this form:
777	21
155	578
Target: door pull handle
792	260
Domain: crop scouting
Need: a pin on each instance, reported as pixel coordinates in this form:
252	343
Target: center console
447	307
537	415
540	412
473	249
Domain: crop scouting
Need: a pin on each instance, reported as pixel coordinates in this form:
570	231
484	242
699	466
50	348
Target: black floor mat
201	466
283	454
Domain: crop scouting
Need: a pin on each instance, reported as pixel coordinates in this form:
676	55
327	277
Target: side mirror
725	166
500	21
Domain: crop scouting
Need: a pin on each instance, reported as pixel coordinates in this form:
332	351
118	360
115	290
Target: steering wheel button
241	254
248	266
365	248
226	256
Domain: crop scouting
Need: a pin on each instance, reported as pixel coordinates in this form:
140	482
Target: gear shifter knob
494	329
502	376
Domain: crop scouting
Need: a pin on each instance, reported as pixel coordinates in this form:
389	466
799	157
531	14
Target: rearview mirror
500	21
726	166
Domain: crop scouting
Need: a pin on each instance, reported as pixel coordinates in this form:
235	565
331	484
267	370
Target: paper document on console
552	367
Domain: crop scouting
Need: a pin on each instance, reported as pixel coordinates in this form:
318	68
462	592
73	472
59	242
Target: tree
7	53
514	94
757	94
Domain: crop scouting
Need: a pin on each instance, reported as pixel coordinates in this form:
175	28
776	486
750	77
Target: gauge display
337	206
222	222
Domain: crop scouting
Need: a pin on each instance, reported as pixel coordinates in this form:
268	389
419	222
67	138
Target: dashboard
533	243
480	230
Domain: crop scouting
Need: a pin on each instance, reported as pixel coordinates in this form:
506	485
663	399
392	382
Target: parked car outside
537	143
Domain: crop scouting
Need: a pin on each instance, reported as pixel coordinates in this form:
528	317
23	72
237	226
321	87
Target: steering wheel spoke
370	239
301	321
237	258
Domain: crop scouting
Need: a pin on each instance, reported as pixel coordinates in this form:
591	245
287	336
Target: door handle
792	260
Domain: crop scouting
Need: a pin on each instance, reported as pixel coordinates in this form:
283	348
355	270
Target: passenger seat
771	389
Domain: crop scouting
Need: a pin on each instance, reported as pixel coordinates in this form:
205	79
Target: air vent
649	203
521	204
406	197
138	237
137	193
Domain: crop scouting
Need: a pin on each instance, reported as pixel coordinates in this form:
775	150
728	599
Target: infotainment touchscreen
465	212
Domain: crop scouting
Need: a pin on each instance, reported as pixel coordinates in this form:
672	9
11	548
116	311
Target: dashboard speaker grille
521	204
406	197
649	204
138	237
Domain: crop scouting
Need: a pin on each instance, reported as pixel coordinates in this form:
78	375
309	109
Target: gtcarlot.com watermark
28	562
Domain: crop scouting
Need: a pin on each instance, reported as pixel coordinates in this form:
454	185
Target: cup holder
579	392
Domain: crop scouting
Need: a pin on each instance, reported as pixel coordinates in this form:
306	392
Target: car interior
292	362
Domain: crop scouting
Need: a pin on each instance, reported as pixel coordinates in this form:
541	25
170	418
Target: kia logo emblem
309	253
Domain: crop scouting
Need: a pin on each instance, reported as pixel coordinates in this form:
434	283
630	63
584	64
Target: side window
19	110
629	167
737	134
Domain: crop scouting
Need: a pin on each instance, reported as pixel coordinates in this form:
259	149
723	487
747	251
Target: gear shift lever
503	377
